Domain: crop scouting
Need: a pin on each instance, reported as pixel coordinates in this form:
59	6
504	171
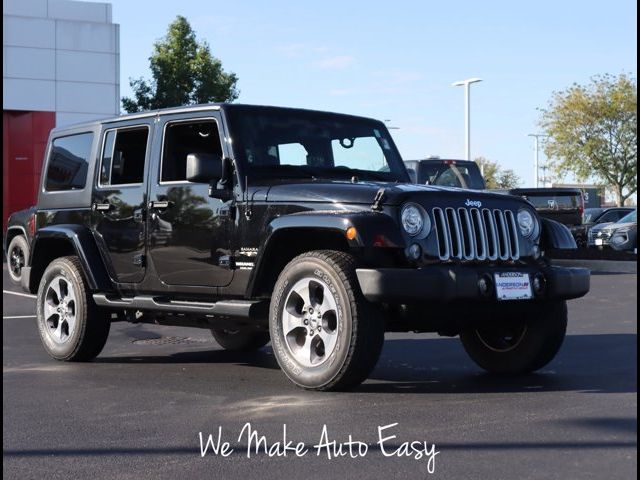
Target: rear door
119	201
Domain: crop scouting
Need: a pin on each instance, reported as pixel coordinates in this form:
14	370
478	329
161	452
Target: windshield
628	218
451	174
590	214
287	143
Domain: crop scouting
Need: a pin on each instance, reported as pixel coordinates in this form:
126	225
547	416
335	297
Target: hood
601	226
620	226
363	193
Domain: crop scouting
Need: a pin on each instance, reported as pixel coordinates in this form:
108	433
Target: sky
396	61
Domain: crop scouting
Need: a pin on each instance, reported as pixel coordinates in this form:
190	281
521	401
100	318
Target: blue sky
397	60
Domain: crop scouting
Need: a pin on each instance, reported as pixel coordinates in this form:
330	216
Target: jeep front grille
476	234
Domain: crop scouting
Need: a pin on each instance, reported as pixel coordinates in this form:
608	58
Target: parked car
564	205
17	239
304	231
602	235
595	216
446	173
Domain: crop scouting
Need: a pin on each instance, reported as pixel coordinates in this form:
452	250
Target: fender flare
373	229
82	243
555	235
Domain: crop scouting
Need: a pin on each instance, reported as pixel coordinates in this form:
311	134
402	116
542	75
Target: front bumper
443	283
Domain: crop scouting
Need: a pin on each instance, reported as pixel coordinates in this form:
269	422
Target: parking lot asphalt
136	411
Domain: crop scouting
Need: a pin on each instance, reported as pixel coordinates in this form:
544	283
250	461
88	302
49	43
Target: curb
612	266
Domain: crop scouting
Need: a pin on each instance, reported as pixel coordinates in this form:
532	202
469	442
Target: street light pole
536	167
467	113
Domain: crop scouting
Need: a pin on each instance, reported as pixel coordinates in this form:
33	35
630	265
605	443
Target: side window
123	156
183	138
612	216
68	163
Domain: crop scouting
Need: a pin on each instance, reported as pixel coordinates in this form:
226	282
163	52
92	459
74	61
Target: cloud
334	63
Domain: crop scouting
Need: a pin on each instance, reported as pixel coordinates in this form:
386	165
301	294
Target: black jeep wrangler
291	226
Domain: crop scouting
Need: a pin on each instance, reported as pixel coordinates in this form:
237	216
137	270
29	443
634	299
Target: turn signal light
351	233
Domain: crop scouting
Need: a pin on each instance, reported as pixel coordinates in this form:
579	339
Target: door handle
101	207
160	205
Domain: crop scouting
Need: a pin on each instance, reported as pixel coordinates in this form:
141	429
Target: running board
223	308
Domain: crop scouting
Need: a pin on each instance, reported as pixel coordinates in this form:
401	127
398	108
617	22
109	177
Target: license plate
599	241
513	286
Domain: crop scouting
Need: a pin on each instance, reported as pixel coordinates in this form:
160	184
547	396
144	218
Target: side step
223	308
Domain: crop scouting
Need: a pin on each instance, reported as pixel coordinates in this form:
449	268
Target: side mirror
412	175
203	168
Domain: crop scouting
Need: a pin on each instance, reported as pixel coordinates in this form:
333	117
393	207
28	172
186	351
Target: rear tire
238	341
325	335
521	348
72	328
17	257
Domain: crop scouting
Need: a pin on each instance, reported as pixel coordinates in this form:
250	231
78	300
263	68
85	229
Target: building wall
24	142
60	66
60	56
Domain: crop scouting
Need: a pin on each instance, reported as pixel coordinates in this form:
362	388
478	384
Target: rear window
450	174
554	202
69	162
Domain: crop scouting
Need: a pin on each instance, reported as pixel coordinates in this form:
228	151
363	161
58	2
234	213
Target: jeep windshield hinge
378	200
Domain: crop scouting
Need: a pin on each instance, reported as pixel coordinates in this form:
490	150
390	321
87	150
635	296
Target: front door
119	199
189	238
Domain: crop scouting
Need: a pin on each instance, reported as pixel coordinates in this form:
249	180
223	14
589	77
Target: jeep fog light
539	284
415	252
485	285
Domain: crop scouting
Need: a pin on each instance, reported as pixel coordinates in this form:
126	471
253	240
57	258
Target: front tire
238	341
72	328
324	333
17	257
521	348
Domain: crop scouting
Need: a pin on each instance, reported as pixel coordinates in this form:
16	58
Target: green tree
497	177
593	132
183	72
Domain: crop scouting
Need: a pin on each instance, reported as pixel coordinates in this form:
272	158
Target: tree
184	72
593	132
495	176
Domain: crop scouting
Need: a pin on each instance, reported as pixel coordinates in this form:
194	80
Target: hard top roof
192	108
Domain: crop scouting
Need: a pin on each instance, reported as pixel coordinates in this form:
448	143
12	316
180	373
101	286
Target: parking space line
20	294
18	316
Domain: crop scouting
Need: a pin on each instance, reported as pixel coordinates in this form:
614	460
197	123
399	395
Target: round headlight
527	223
413	219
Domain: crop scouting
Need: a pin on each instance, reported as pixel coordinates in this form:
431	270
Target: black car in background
596	216
564	205
446	173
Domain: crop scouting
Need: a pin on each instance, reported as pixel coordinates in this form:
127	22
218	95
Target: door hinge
140	260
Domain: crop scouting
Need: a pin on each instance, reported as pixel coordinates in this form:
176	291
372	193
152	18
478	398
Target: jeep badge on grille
473	203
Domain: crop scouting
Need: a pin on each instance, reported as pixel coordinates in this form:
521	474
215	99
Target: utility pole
467	112
536	173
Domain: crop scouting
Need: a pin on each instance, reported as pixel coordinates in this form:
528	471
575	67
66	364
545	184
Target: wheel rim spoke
290	322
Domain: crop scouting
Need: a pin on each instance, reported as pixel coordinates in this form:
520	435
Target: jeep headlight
527	223
415	220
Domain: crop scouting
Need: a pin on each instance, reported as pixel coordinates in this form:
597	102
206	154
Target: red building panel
25	137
